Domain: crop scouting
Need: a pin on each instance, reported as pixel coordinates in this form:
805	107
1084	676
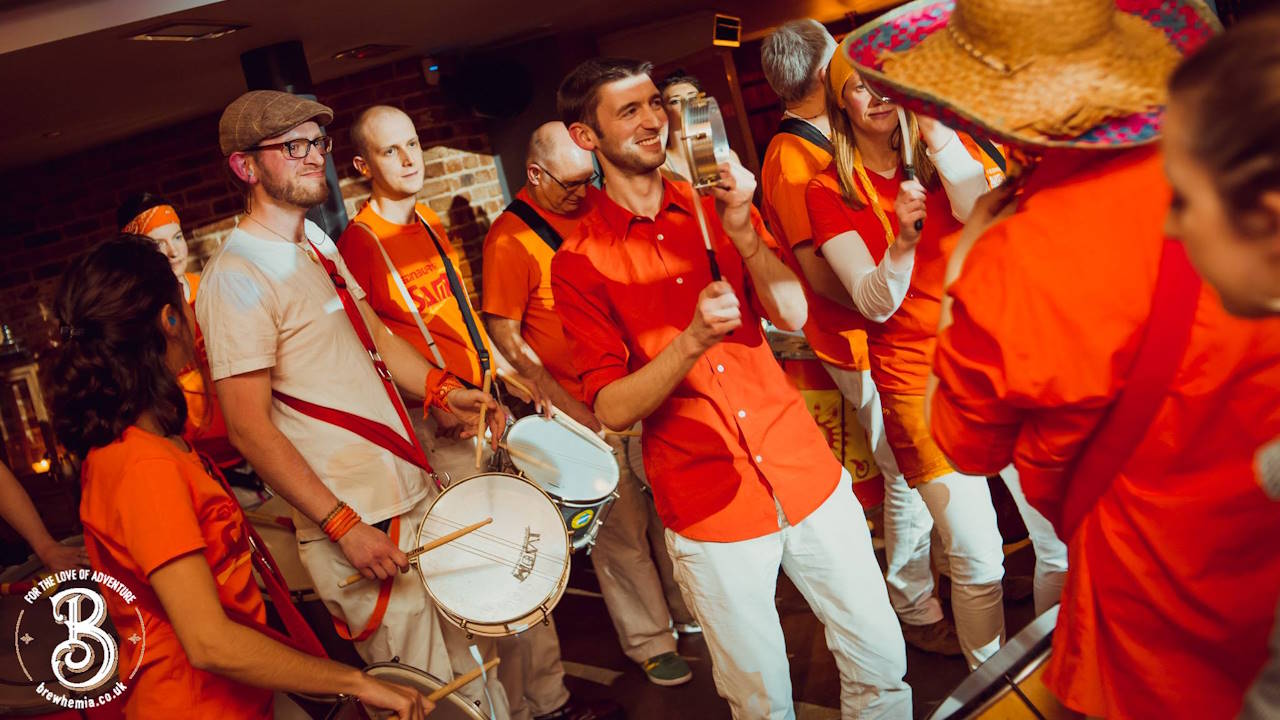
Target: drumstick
452	686
416	552
908	170
697	205
510	380
488	384
525	457
622	433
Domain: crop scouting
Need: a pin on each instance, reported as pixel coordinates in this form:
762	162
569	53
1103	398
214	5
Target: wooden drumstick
488	385
622	433
510	379
525	457
416	552
452	686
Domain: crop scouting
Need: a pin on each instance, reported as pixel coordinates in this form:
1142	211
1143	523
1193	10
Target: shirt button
719	368
660	236
759	458
742	413
679	281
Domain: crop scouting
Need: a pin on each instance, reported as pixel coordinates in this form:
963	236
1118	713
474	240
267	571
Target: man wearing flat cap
308	404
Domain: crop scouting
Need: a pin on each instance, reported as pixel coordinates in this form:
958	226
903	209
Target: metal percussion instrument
706	144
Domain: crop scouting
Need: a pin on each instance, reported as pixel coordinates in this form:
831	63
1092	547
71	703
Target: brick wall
54	212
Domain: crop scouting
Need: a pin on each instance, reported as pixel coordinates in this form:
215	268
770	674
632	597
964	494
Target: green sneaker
667	670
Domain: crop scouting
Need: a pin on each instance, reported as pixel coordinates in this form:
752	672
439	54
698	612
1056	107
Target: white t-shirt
265	303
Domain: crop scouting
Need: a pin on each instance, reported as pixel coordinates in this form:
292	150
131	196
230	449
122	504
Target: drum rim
549	602
602	447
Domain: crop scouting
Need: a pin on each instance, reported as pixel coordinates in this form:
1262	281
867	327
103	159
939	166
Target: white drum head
561	458
504	571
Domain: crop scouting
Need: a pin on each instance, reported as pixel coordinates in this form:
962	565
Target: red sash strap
301	637
380	607
371	430
416	455
1160	353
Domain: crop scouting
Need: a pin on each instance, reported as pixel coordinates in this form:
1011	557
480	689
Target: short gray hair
792	55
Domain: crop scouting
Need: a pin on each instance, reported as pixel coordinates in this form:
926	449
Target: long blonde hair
855	185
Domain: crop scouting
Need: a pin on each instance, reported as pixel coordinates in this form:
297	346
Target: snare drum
508	575
1008	685
574	466
451	707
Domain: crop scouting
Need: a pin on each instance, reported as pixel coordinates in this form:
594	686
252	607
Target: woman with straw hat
1083	348
865	211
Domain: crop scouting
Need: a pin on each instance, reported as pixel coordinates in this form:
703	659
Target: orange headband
152	218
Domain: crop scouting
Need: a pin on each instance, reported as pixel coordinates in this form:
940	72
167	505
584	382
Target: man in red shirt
741	475
641	595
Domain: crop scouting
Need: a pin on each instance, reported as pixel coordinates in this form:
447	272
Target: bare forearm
408	367
624	402
779	289
281	466
508	340
242	654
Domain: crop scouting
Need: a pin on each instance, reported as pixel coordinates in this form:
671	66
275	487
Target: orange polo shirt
1173	581
517	286
734	434
206	428
146	503
902	346
418	263
836	333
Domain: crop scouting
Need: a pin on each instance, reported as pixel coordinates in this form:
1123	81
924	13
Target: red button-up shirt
734	434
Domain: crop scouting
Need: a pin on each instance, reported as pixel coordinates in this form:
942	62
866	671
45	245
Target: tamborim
705	140
506	576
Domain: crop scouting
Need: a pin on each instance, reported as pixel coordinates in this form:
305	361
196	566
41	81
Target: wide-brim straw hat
1087	74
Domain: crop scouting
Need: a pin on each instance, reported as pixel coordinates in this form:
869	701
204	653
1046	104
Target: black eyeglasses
576	184
301	147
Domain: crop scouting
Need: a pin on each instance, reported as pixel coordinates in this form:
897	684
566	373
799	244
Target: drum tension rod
1022	696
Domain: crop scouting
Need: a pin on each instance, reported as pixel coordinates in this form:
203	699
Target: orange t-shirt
1173	581
146	503
517	286
733	440
836	333
206	428
902	346
416	259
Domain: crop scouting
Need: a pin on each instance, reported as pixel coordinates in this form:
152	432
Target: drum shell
451	707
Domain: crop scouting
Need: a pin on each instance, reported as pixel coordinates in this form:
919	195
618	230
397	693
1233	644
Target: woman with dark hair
1224	168
156	520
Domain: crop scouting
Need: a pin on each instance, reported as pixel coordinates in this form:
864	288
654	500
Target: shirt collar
675	195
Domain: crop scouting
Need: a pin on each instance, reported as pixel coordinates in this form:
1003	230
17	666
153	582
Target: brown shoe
939	637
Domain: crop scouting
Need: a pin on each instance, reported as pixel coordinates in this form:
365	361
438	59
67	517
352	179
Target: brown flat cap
260	114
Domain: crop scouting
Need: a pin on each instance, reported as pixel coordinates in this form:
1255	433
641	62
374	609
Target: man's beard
629	158
295	191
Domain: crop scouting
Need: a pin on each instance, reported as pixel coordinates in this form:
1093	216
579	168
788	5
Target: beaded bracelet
340	521
439	398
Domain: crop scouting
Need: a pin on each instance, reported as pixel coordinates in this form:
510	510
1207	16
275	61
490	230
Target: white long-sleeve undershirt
879	289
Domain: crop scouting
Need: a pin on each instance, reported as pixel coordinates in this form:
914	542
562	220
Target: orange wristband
439	385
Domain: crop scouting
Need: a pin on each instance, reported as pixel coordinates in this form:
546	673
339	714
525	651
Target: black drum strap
805	131
536	223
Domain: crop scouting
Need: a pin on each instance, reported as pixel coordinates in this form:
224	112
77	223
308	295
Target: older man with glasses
639	589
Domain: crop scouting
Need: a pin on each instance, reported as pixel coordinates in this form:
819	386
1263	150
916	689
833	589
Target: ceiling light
188	32
367	52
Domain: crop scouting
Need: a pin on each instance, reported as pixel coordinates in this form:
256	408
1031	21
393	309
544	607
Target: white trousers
532	672
973	555
907	522
1051	553
828	555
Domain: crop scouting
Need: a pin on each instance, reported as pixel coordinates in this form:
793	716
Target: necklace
305	247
